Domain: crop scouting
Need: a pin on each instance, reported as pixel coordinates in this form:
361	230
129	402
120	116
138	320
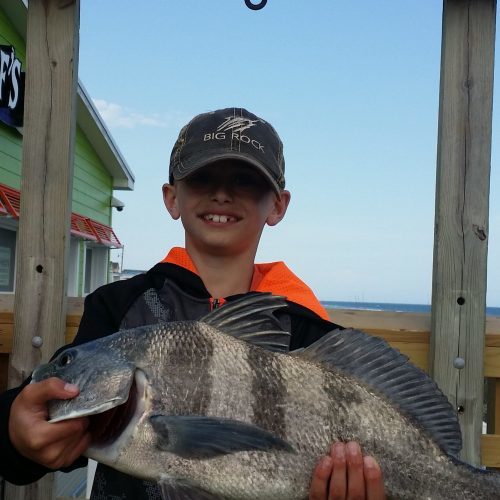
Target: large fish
217	408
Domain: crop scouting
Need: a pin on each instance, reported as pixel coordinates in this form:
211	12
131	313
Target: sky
351	87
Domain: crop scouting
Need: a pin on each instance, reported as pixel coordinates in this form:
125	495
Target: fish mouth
111	429
107	426
97	410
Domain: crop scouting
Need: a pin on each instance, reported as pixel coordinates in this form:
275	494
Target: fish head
115	392
101	372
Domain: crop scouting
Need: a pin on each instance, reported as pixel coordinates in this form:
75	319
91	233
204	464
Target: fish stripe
231	378
191	372
269	391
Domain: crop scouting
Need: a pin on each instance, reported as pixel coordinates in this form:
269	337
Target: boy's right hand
54	445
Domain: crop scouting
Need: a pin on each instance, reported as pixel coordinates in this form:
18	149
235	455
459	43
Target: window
7	259
73	267
96	268
88	271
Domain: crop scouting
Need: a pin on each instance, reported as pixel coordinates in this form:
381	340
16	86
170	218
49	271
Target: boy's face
224	207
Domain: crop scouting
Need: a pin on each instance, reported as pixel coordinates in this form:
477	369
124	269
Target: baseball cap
228	134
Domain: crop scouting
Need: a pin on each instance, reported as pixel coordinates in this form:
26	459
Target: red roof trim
105	234
81	227
11	198
3	210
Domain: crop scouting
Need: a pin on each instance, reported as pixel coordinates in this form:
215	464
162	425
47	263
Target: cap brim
196	165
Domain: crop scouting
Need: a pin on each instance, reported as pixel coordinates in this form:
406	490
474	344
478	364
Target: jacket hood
274	277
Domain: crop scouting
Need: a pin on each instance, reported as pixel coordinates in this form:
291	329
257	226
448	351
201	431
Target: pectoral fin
206	437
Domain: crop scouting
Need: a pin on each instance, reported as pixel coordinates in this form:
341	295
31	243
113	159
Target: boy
226	182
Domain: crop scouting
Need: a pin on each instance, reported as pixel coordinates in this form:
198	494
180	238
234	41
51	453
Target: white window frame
99	267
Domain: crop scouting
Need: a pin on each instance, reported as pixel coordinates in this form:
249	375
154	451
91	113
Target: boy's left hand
346	474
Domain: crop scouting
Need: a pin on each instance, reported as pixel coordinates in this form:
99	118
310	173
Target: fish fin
205	437
174	489
383	368
251	319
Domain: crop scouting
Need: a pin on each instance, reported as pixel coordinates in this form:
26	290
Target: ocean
383	306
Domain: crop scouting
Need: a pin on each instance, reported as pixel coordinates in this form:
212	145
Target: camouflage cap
230	133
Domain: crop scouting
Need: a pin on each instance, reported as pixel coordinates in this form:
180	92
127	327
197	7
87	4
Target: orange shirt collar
274	277
180	257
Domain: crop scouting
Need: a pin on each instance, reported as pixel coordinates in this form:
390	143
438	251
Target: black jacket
166	292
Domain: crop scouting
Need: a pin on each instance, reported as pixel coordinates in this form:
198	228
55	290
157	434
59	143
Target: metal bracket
255	6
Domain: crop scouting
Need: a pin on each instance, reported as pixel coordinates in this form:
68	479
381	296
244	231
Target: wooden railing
75	310
408	332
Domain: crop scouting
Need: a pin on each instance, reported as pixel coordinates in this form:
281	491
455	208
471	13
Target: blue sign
11	87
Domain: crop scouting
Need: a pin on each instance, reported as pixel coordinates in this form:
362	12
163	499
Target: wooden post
462	197
46	186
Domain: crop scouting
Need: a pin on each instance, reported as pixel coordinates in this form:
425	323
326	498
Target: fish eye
66	358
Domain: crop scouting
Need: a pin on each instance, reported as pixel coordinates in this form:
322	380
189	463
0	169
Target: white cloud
117	116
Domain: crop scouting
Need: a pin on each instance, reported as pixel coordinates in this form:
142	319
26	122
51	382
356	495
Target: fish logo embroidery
236	124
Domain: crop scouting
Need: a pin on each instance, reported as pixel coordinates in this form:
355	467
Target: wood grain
461	225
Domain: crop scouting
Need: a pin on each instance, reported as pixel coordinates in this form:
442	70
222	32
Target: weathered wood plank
74	305
490	450
393	321
462	194
74	308
47	173
6	330
46	184
493	402
492	359
406	331
381	320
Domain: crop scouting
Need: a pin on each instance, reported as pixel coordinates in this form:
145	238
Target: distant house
99	170
123	274
129	273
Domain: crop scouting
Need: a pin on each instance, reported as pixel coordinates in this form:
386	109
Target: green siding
9	36
10	138
10	156
92	183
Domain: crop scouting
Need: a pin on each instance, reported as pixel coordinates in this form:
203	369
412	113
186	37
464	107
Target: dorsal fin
378	365
251	319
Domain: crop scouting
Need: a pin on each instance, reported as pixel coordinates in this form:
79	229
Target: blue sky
351	87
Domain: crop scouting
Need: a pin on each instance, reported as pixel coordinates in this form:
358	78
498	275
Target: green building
99	170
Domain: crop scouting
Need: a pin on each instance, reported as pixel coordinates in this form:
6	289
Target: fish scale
268	391
218	408
172	366
233	370
227	401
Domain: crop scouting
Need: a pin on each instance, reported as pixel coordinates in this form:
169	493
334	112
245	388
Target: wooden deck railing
408	332
75	309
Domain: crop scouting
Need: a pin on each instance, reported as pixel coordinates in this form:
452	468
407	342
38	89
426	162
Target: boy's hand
52	445
346	474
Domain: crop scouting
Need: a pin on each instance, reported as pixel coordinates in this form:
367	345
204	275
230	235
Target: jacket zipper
214	303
